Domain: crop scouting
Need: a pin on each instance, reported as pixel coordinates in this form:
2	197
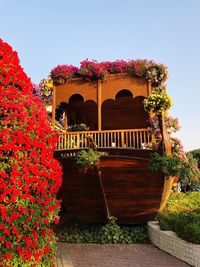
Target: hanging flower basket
157	103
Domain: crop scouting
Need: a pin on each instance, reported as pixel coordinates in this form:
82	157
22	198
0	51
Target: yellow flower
50	84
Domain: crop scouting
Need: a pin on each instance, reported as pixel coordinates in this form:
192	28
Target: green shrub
190	173
196	154
87	158
77	232
169	165
182	215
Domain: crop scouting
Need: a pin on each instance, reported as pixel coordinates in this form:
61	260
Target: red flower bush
63	73
93	70
29	175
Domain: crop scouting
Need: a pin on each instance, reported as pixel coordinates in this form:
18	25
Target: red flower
8	256
30	176
8	244
7	231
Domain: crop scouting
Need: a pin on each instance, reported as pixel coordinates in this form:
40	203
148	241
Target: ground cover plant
182	215
29	175
77	232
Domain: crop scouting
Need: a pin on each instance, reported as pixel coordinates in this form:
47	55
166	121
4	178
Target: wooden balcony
130	138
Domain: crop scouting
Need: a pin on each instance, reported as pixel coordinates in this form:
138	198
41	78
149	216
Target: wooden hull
133	193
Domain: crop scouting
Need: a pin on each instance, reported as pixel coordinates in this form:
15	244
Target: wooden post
149	89
54	107
99	103
103	193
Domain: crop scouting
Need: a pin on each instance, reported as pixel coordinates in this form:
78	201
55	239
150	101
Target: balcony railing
130	138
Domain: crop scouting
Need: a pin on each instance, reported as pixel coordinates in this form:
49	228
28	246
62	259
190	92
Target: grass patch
77	232
182	215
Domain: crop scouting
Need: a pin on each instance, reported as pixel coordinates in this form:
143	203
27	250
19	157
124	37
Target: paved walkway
94	255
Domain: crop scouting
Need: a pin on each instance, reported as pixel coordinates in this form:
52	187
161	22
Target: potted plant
87	159
169	165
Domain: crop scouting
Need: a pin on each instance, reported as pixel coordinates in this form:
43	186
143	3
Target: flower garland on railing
93	70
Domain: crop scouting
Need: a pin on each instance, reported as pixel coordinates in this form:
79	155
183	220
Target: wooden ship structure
117	122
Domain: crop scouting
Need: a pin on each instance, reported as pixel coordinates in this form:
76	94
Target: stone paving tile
109	255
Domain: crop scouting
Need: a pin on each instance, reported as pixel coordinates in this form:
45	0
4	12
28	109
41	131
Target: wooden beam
99	87
149	89
54	108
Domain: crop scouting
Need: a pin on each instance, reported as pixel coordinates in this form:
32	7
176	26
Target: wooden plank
133	193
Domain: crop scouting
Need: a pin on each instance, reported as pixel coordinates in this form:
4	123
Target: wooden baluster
145	137
140	145
64	141
78	140
74	137
95	137
106	139
101	136
122	138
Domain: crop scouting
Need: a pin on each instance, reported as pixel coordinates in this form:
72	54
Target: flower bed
169	242
180	221
182	215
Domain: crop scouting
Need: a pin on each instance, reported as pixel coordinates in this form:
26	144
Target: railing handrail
126	138
104	131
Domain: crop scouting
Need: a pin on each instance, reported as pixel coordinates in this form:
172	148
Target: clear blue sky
47	33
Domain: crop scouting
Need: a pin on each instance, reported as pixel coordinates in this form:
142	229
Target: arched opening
74	113
125	112
80	112
61	111
124	94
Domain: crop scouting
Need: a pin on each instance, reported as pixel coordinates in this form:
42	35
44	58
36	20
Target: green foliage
169	165
87	158
111	232
196	154
182	215
190	173
76	232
